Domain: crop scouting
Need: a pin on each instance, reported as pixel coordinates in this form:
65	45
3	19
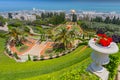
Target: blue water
15	5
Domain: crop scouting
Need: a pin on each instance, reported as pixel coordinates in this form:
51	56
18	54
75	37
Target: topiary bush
29	58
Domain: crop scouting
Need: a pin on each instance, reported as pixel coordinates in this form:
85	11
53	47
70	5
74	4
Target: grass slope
11	70
82	66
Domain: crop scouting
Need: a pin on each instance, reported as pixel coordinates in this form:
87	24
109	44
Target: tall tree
114	20
65	36
2	21
16	35
10	15
98	19
107	20
74	17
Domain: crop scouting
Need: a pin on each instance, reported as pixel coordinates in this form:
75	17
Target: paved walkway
4	28
47	46
29	44
39	49
36	49
32	32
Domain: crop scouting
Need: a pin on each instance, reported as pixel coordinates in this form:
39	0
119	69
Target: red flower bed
104	40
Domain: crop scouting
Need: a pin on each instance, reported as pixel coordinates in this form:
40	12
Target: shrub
84	43
2	34
19	43
83	37
50	55
57	54
29	58
9	53
16	56
35	58
49	51
58	47
27	29
42	57
112	66
93	26
77	75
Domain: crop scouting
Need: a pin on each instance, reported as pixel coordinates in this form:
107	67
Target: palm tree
16	35
13	34
65	36
42	34
62	36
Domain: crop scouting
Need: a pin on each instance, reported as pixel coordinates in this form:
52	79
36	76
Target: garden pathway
32	32
36	49
39	48
29	44
47	46
4	28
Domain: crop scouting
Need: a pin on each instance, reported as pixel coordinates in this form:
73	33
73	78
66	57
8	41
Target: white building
25	17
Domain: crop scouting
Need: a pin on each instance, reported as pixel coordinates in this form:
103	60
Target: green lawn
9	69
81	65
22	48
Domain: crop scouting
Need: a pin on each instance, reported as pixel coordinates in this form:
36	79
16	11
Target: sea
81	5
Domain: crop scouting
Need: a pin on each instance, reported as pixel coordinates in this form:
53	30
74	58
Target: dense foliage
95	26
109	29
15	23
77	75
108	20
74	17
2	21
49	18
66	36
113	65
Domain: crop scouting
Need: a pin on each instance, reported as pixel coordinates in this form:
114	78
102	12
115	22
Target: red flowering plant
103	40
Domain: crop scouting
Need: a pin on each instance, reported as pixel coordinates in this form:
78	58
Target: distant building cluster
24	17
90	14
78	15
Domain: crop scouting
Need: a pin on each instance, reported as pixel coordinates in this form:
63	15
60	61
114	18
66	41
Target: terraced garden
68	67
48	69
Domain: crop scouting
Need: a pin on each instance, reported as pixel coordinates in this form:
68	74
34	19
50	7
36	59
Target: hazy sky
70	0
8	5
80	1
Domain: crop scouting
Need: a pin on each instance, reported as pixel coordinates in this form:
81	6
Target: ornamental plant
103	40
